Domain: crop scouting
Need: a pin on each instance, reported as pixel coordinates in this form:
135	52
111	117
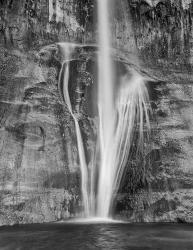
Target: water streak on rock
67	50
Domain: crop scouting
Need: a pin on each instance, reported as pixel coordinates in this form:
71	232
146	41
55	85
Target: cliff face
160	185
163	30
39	166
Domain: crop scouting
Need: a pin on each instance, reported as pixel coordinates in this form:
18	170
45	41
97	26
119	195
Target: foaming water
93	220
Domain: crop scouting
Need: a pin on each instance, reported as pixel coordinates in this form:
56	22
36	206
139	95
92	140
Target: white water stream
120	109
67	51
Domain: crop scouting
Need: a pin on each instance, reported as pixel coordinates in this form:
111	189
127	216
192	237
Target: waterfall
130	111
105	106
67	51
121	108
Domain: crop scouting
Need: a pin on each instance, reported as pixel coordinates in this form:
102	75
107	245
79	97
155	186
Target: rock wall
39	166
163	30
158	187
39	169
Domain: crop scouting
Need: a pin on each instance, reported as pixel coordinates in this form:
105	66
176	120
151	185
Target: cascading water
122	109
119	110
130	110
67	50
105	106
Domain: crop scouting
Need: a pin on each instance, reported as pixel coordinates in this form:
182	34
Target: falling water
105	107
120	109
67	50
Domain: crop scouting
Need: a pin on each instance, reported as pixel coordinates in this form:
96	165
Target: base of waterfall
92	220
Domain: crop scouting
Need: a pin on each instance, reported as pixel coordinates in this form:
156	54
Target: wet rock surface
39	168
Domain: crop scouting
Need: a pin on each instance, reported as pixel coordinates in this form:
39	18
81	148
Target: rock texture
159	187
39	169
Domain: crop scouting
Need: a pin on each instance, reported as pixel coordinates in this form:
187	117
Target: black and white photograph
96	124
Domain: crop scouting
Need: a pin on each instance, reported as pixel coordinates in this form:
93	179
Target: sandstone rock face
39	166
